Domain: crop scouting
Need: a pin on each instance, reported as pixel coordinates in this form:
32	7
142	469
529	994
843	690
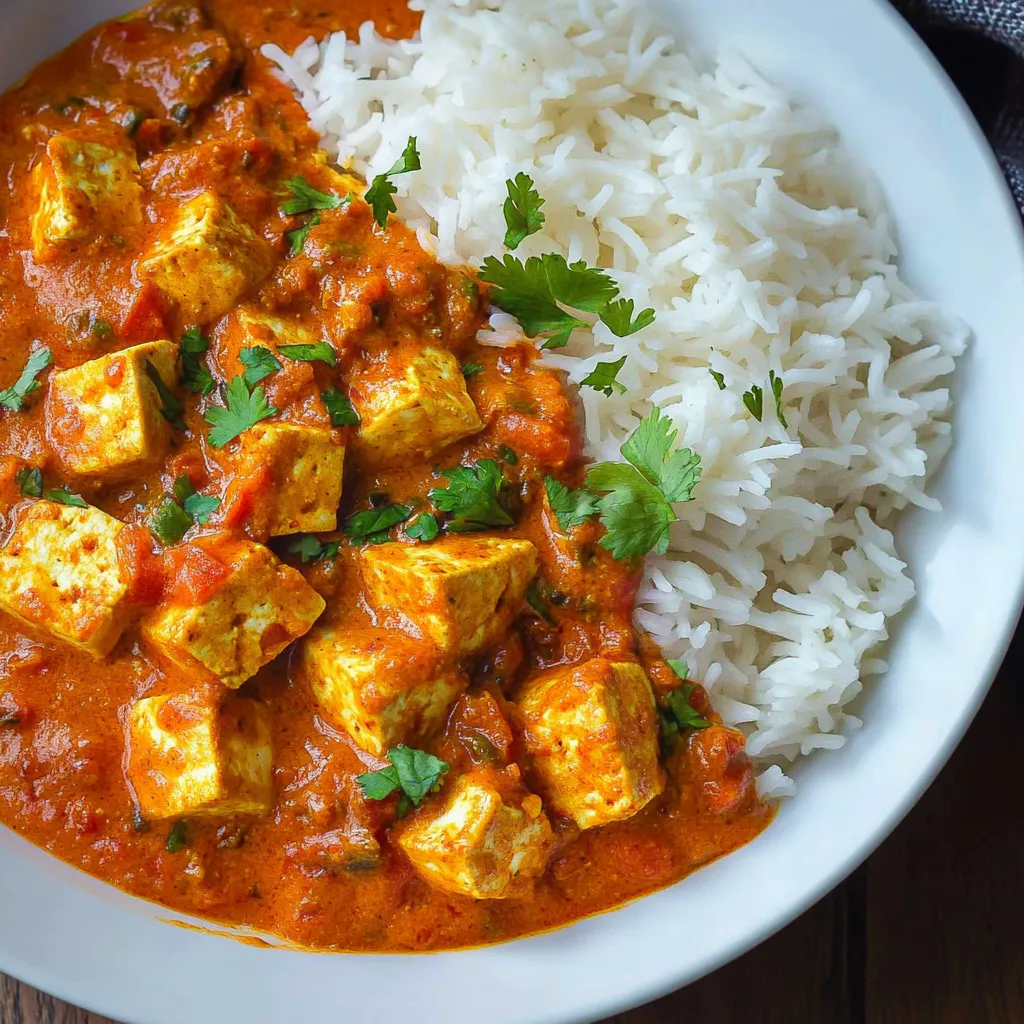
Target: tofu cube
480	839
195	755
382	687
592	734
414	404
104	417
85	188
207	259
461	592
59	572
250	608
304	465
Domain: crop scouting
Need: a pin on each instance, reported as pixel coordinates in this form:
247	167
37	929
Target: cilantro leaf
776	385
476	496
380	194
305	198
30	482
522	210
633	511
199	506
754	401
413	772
571	508
471	370
678	666
371	522
321	351
602	377
649	448
170	405
424	527
177	838
678	713
532	293
536	601
13	398
259	362
63	496
718	378
242	409
194	374
312	549
340	409
617	316
297	238
169	522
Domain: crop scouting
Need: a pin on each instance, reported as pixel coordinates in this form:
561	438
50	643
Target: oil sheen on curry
291	635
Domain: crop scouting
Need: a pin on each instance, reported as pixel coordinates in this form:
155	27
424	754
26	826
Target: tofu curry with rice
299	630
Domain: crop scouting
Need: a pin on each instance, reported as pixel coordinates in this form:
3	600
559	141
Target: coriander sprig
380	195
13	398
523	216
412	773
243	408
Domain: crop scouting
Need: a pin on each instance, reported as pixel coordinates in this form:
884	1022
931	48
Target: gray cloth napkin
1000	81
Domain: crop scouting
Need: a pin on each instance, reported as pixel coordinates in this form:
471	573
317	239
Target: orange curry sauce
321	869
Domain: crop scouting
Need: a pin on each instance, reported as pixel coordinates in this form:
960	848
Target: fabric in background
981	45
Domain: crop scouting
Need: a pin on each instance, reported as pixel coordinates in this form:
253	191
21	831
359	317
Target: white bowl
962	244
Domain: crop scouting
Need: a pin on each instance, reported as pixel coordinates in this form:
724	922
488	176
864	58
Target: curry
292	635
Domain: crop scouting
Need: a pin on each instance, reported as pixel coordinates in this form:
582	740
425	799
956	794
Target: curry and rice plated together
447	459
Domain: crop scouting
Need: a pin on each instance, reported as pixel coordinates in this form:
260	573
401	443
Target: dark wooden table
929	931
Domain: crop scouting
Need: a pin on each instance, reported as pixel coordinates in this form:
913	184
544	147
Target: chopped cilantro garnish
311	549
63	496
678	666
259	362
170	404
321	351
776	385
30	482
536	601
13	398
169	522
471	369
412	773
476	496
194	374
522	210
617	316
571	508
754	401
380	194
339	408
199	506
678	713
305	198
603	377
178	837
242	409
718	378
297	238
424	527
373	523
508	456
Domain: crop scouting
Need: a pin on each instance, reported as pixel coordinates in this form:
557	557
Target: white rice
739	218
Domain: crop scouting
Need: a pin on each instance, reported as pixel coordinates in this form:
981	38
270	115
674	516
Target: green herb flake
170	405
471	370
63	496
178	837
776	386
754	401
259	363
198	506
30	482
169	522
617	316
380	195
339	408
477	497
10	720
305	198
242	409
194	374
718	378
312	549
571	508
102	329
603	378
678	713
297	239
13	398
321	351
372	523
412	773
536	601
423	528
523	215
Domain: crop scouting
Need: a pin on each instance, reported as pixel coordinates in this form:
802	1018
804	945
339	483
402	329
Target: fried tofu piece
592	733
86	188
59	572
104	417
250	608
381	686
484	837
305	466
461	592
207	259
195	755
413	404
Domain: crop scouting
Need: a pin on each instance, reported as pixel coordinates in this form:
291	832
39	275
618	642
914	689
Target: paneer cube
382	687
207	259
195	755
104	417
59	572
239	609
259	328
86	188
304	465
461	592
484	837
413	404
592	734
